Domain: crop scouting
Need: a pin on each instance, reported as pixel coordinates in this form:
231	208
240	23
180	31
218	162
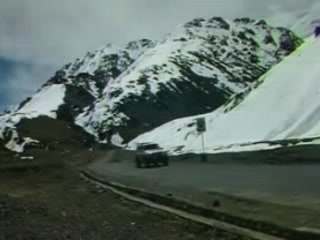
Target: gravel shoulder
44	198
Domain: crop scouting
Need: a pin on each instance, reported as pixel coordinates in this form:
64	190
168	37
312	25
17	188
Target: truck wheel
147	163
155	162
165	162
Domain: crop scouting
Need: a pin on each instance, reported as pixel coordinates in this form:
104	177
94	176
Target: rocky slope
118	93
11	140
42	132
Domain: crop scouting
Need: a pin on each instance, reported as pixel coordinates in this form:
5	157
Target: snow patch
117	140
46	102
27	158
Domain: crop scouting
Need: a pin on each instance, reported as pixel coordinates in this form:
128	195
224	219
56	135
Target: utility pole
203	147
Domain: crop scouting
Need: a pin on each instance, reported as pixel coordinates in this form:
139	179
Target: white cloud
54	32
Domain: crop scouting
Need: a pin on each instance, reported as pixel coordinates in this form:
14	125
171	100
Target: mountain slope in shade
285	106
193	70
50	133
11	140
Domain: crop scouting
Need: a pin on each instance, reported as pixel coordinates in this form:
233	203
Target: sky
37	37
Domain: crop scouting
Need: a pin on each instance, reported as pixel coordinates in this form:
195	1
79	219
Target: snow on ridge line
93	60
285	106
46	102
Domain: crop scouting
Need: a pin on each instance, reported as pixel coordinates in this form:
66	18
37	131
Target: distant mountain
191	71
118	93
10	139
281	109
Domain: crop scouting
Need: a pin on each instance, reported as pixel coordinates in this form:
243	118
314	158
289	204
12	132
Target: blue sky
19	80
6	68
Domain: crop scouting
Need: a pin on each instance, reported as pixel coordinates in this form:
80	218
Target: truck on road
151	155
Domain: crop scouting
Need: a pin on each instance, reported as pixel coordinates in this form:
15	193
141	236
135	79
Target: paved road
288	191
295	184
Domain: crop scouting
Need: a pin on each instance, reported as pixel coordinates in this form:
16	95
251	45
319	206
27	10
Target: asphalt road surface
294	184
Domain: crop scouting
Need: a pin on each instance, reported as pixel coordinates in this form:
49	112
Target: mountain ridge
194	57
121	92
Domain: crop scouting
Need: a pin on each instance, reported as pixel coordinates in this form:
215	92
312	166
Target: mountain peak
138	47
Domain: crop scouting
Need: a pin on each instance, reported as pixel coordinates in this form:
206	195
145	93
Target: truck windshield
150	147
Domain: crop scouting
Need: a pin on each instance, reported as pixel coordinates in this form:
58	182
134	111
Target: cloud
45	33
55	31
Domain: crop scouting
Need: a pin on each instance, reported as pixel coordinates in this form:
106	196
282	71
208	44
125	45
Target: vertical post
201	128
203	157
203	148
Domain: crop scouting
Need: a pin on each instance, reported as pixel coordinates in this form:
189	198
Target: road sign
201	125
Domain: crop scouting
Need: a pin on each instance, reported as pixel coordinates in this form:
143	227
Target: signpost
317	31
201	128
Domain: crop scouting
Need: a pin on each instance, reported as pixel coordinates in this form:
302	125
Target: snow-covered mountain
117	93
283	107
79	84
72	88
193	70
